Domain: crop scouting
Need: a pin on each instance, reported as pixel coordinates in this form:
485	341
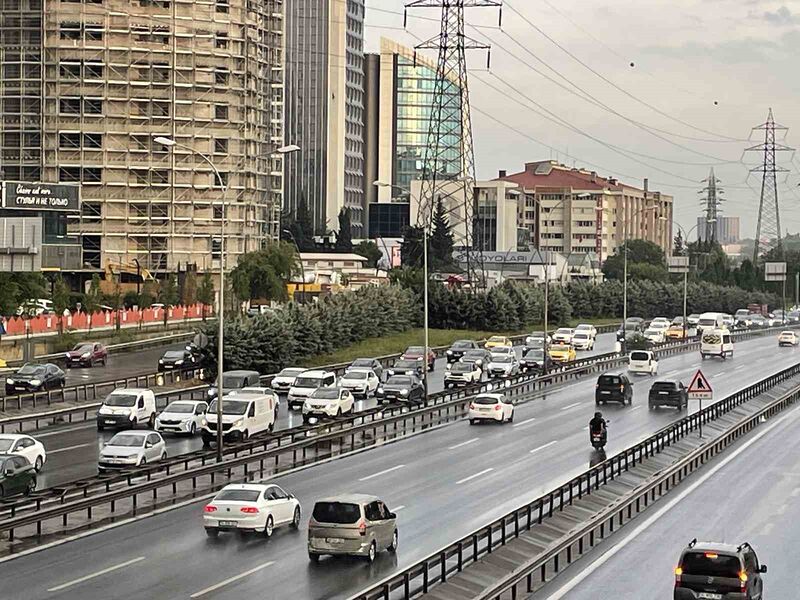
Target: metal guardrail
420	577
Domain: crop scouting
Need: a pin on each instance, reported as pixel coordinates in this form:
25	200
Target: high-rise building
87	86
325	110
726	229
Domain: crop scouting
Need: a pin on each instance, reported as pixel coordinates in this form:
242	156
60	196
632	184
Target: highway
763	510
73	450
442	486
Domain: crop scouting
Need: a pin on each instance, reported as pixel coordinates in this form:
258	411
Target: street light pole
302	267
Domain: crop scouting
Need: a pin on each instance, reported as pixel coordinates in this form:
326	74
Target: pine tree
679	245
304	227
440	244
60	300
205	292
344	239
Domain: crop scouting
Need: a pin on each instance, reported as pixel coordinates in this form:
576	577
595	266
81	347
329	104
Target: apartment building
87	85
726	229
571	210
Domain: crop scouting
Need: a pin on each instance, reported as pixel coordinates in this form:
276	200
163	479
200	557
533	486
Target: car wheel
269	527
164	455
511	417
212	532
100	427
372	553
31	487
193	429
597	402
244	435
338	412
393	546
313	557
38	464
206	442
472	421
296	519
134	423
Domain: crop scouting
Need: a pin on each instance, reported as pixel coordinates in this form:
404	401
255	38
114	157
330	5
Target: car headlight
85	355
404	392
10	381
35	382
380	390
203	422
449	352
161	361
211	391
104	411
66	354
179	362
239	423
391	371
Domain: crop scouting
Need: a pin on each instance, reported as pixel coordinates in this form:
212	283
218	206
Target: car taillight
622	388
497	407
743	578
362	528
250	510
471	406
210	508
678	573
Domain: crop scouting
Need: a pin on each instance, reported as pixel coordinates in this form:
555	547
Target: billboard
41	196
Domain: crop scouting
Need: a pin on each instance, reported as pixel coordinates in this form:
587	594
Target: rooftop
548	173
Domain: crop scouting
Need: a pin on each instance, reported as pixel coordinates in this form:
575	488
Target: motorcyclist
598	423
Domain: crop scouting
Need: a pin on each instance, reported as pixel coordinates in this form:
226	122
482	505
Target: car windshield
711	564
82	348
486	400
415	350
342	513
5	445
707	321
230	407
406	364
326	394
127	439
496	338
581	335
173	354
362	362
535	343
290	372
631	326
640	356
121	400
608	380
503	359
399	380
232	381
664	385
652	332
564	330
238	495
462	345
307	382
559	348
534	353
180	407
355	375
461	368
30	369
789	333
475	354
584	327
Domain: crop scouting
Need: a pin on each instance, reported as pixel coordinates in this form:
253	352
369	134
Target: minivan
714	570
643	361
716	342
125	408
305	383
242	416
711	320
351	524
613	387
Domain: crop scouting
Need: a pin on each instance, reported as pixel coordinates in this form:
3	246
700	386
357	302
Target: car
126	408
656	336
182	416
588	328
17	444
613	387
285	379
418	353
497	341
643	361
251	507
728	321
659	323
537	339
675	332
305	383
491	407
480	357
401	388
630	328
788	338
177	359
234	380
17	476
501	351
720	571
351	524
373	364
360	382
242	416
563	335
132	449
33	377
793	316
534	360
406	367
462	373
561	353
716	342
458	348
693	319
758	322
668	392
87	354
582	340
503	366
328	402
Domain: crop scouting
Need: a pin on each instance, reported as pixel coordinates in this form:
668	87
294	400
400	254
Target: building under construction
87	85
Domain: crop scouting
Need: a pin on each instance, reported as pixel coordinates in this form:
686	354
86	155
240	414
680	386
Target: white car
462	373
563	334
182	416
501	351
256	507
657	336
23	445
582	340
132	449
786	338
503	366
537	340
360	382
587	328
491	407
328	402
643	361
285	379
660	323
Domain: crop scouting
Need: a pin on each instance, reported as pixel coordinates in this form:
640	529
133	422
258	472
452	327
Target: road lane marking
571	406
96	574
637	407
397	508
69	448
524	423
471	477
547	445
463	444
379	473
69	430
232	579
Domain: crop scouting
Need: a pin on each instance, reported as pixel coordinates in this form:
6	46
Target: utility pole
712	203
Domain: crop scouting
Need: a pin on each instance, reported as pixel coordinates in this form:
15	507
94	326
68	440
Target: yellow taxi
674	332
561	353
497	341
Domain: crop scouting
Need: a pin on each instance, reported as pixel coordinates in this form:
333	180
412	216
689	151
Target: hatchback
712	571
87	354
491	407
613	387
668	393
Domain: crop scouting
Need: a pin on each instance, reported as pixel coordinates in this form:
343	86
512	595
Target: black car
534	360
32	377
368	363
458	349
713	570
406	367
17	475
613	387
668	393
176	360
401	388
479	356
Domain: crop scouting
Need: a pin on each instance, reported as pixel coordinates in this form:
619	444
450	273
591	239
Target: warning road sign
700	388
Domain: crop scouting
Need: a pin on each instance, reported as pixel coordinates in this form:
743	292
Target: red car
417	353
87	354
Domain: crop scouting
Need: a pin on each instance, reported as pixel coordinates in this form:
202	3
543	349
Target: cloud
781	16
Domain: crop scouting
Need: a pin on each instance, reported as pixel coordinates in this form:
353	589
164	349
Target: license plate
485	409
19	389
709	596
334	541
109	422
228	524
604	392
664	393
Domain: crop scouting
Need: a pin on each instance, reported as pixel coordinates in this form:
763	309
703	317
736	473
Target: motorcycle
599	438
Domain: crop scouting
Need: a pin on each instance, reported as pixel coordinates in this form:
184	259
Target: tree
344	237
92	298
189	289
205	292
678	244
639	251
370	251
168	294
440	249
411	252
301	227
263	274
61	296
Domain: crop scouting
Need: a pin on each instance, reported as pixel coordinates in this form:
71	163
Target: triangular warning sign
699	384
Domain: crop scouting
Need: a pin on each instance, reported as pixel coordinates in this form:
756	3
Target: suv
459	347
725	571
613	387
668	393
305	384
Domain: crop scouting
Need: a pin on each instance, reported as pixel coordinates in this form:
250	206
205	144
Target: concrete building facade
727	229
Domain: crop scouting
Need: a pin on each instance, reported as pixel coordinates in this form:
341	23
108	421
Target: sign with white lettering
41	196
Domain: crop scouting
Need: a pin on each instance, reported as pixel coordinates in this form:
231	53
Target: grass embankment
393	344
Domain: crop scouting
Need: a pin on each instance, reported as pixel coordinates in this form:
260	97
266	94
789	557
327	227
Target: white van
711	320
242	416
716	342
125	408
305	383
643	361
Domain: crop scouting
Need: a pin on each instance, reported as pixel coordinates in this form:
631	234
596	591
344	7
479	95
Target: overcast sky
710	70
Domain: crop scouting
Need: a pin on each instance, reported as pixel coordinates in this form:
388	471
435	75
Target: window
373	512
217	212
221	112
70	70
223	6
159	176
92	106
93	71
93	141
70	31
220	146
221	77
222	179
93	33
160	109
69	174
66	106
92	174
221	40
69	141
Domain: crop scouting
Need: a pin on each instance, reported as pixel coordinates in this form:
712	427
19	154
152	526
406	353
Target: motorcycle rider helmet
598	415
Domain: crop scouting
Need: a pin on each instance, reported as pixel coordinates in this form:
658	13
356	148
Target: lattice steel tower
449	175
712	203
768	231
